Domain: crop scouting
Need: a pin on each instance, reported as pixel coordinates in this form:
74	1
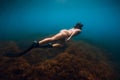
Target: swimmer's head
78	25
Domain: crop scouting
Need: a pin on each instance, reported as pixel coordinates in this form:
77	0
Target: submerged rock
7	47
79	61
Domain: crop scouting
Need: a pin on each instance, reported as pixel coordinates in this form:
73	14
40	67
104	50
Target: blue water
33	19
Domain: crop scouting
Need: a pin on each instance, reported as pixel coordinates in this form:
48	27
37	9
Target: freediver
56	41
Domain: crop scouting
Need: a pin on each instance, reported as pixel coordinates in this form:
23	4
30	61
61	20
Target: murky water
26	20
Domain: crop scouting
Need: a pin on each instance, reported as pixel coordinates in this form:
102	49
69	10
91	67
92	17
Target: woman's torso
69	31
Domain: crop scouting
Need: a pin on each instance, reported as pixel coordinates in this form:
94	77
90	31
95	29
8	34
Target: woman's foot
35	44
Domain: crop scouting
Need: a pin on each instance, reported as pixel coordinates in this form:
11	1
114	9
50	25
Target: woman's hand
67	39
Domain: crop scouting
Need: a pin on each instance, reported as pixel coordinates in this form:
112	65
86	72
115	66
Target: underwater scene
93	54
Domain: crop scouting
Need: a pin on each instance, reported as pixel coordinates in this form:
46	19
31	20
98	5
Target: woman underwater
62	37
55	41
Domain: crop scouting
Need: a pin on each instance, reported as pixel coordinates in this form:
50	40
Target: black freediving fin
34	45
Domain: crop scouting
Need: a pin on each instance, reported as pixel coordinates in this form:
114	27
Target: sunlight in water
61	1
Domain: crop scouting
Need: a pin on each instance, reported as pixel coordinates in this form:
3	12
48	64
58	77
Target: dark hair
78	25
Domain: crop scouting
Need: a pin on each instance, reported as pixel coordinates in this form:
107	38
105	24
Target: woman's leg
45	41
55	37
57	45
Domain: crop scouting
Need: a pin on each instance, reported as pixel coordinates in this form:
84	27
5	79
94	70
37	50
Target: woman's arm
70	36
